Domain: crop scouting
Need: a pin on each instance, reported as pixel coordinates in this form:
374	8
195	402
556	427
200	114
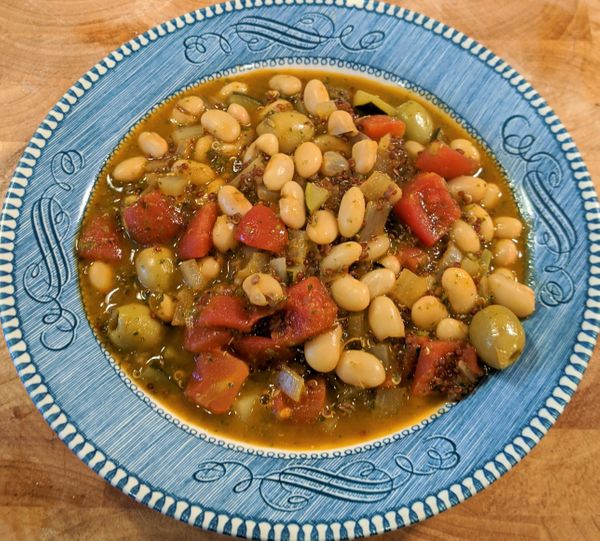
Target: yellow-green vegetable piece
362	98
315	196
409	288
418	121
377	186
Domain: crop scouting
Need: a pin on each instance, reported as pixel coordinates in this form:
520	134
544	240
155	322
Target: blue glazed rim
479	476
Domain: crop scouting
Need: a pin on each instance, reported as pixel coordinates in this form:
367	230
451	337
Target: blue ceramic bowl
238	489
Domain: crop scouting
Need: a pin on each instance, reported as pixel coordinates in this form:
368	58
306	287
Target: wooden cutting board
47	493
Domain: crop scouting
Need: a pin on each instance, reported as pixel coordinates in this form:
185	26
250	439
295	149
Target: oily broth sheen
263	430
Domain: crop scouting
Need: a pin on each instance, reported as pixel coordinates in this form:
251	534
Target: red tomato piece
310	310
153	218
427	208
412	258
230	311
445	161
309	408
216	381
196	241
100	239
259	350
262	229
198	339
376	126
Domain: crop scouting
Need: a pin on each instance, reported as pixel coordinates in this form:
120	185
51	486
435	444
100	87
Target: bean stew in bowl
304	259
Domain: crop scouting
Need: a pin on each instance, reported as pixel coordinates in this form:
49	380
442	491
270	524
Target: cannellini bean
308	159
322	227
505	252
465	237
240	113
507	227
203	147
351	213
341	256
360	369
330	143
451	329
413	148
262	289
223	234
221	124
187	110
155	267
485	226
325	108
236	87
517	297
460	290
288	85
152	144
467	148
232	201
334	164
314	93
364	154
323	352
209	267
506	273
379	281
468	189
377	247
427	312
291	205
385	319
391	262
492	196
215	185
267	143
165	310
101	276
350	294
278	171
197	173
278	106
341	123
130	170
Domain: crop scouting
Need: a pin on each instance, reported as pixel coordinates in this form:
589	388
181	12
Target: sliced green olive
133	328
155	268
419	124
290	127
497	335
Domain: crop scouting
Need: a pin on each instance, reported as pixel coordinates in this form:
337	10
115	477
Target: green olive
133	328
155	268
419	124
290	127
497	335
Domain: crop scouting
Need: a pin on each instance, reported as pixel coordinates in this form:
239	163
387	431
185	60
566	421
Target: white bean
152	144
341	256
232	201
485	226
350	294
360	369
385	319
203	147
468	189
187	110
279	170
101	276
351	213
322	227
507	227
341	123
391	262
314	93
209	267
379	281
288	85
451	329
324	109
334	164
240	113
510	274
130	170
364	154
221	124
223	234
377	247
236	87
267	143
196	172
492	196
262	289
505	252
465	237
413	148
323	352
517	297
460	290
291	205
308	159
467	148
427	312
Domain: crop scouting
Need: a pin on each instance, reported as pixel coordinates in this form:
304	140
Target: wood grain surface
47	493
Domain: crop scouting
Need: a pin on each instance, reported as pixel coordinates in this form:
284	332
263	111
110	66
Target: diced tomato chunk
259	350
198	339
412	258
427	208
308	409
230	311
445	161
262	229
153	218
376	126
100	239
196	241
310	310
216	381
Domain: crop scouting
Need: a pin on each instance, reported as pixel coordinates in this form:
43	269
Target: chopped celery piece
256	263
409	288
368	101
315	196
378	185
357	325
248	102
291	383
390	401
